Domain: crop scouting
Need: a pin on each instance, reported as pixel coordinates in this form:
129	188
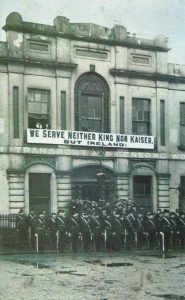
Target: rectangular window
92	54
162	122
36	46
141	116
122	114
38	108
138	59
16	112
182	124
63	110
182	194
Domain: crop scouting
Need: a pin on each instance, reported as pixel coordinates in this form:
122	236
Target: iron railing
8	232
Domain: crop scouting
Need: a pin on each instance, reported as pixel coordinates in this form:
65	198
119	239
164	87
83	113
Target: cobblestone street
93	276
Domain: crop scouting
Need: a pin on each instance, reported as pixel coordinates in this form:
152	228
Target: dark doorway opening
182	194
142	191
39	192
87	186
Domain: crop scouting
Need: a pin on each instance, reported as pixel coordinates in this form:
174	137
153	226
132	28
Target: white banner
91	139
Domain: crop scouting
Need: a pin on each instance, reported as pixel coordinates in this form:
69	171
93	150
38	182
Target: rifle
146	236
105	238
125	238
29	235
162	235
81	239
37	242
57	234
135	235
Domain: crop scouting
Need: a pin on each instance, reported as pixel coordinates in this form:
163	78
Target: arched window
91	103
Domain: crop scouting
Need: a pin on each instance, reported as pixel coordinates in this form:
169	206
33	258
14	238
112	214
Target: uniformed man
117	232
22	228
52	229
181	229
62	230
41	231
95	226
139	229
31	219
130	223
85	230
150	229
165	228
75	233
173	224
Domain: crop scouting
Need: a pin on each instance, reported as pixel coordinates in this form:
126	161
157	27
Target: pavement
126	275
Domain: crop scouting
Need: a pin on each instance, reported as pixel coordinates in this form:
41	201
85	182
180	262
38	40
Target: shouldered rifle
57	234
105	239
162	235
37	242
29	235
81	239
125	238
136	238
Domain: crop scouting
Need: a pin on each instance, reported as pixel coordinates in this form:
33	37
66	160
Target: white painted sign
91	139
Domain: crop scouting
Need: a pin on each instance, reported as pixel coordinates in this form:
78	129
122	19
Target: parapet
117	35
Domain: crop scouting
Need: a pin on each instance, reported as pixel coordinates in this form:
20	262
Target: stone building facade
75	77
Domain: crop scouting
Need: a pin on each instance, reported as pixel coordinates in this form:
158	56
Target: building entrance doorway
142	191
86	185
39	192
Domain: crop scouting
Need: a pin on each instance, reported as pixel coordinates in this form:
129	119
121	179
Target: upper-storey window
91	104
182	124
38	108
38	46
141	116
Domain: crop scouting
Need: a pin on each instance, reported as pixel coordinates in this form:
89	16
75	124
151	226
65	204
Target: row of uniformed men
102	231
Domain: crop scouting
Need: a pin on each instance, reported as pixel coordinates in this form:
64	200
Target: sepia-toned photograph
92	150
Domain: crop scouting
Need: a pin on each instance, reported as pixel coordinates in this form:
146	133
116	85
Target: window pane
140	105
182	135
83	106
134	127
94	107
45	96
37	96
146	104
146	116
134	115
31	95
140	115
182	113
134	104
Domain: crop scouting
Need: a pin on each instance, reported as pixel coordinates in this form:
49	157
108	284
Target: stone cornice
147	76
38	64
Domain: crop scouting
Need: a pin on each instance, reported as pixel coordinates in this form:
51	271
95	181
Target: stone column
64	189
163	181
122	185
16	190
